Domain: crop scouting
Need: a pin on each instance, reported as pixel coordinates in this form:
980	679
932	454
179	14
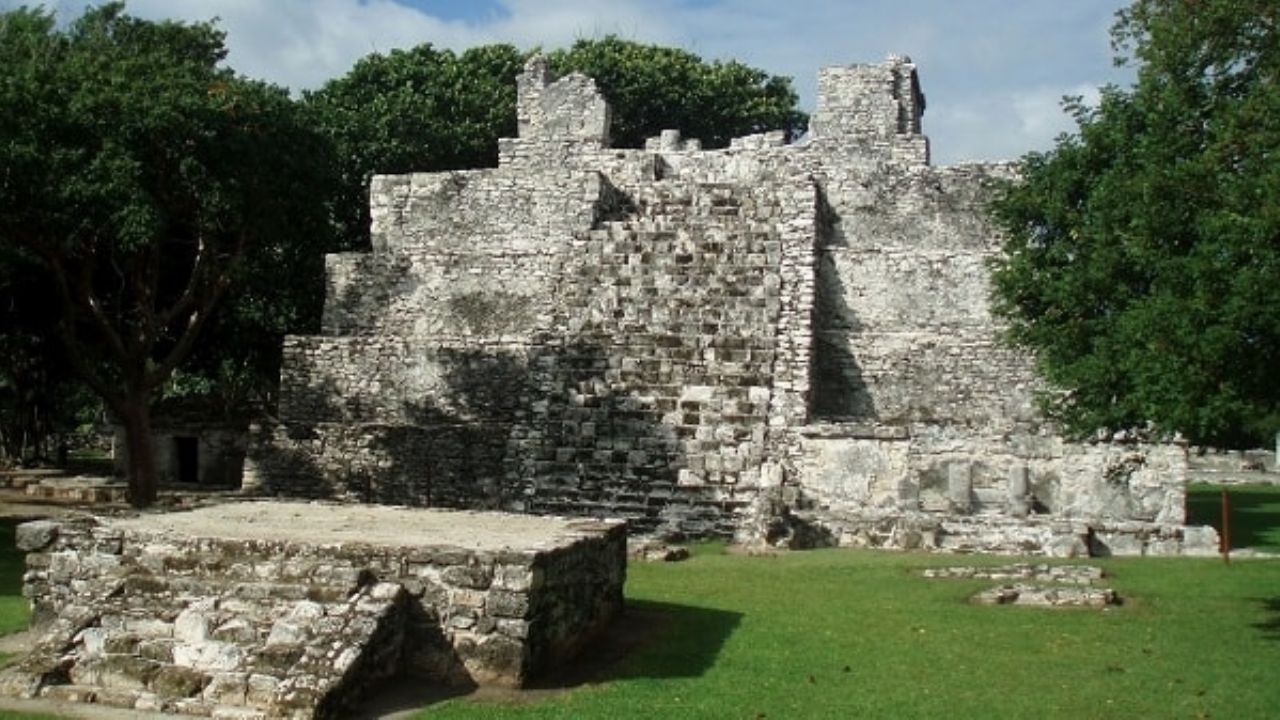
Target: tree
142	176
414	110
429	110
40	396
1143	252
652	88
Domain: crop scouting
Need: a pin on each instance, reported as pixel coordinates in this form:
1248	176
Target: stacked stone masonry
282	610
731	342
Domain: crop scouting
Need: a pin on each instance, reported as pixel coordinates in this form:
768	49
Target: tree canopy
652	88
1142	259
143	179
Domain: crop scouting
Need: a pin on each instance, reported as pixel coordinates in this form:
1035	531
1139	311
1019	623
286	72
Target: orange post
1226	527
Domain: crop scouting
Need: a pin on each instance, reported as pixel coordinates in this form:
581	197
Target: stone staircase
687	398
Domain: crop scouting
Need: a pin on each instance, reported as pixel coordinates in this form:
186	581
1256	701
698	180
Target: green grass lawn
849	634
1255	513
13	607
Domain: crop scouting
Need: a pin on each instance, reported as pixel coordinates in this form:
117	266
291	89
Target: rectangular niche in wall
186	459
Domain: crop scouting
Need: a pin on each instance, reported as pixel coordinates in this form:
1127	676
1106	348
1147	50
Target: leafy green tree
1142	264
428	110
144	178
414	110
652	88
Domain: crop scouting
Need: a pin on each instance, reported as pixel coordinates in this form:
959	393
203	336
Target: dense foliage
41	399
145	180
652	88
1143	254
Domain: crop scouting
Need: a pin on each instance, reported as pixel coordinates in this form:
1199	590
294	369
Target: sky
993	71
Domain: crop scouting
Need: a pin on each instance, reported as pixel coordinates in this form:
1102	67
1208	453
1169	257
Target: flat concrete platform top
327	523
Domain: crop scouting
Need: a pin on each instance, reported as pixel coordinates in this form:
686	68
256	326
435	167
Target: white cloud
1039	111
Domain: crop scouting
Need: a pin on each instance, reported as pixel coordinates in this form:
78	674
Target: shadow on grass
650	640
12	560
1270	627
1255	513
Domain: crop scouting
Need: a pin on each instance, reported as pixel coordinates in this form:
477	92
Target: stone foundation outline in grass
1041	585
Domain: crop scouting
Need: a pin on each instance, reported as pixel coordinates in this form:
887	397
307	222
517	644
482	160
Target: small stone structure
293	610
1047	586
194	444
780	343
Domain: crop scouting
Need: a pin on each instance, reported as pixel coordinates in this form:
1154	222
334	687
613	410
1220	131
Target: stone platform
270	609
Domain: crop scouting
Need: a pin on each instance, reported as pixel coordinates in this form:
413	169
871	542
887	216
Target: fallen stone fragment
1047	596
1040	573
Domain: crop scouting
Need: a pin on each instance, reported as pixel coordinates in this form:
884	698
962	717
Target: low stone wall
1036	536
935	487
294	609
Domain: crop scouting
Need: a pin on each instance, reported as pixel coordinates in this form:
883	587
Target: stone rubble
1047	586
1040	573
1047	597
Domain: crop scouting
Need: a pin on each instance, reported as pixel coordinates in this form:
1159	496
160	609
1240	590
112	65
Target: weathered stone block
213	646
35	535
178	682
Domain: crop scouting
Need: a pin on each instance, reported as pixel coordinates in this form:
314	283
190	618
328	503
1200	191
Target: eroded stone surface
1047	596
1041	573
295	609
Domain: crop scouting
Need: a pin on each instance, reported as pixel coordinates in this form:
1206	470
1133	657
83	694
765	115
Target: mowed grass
1254	513
14	611
849	634
858	634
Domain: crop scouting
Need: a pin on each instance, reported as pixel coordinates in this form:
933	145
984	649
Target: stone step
187	663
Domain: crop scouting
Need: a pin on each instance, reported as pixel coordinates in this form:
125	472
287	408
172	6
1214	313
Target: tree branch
202	304
82	295
187	301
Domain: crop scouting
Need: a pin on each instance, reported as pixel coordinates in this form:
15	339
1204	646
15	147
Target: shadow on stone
839	388
650	640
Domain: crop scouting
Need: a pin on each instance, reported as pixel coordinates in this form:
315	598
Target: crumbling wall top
870	103
568	108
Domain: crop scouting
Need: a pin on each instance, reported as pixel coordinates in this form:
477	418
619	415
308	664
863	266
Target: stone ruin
1042	586
296	610
784	343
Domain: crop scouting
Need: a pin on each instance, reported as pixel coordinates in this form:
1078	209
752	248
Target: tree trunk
136	417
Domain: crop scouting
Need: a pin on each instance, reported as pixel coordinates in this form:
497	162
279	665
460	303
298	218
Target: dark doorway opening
187	452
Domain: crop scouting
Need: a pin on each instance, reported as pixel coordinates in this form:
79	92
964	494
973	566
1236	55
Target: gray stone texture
210	622
729	342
